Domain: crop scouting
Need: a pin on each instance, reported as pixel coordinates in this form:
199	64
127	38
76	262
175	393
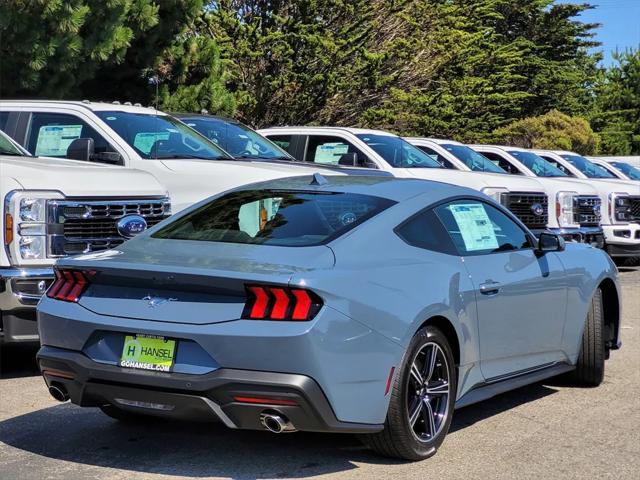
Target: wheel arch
611	306
446	327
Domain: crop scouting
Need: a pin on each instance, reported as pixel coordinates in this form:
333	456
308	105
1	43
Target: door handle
490	288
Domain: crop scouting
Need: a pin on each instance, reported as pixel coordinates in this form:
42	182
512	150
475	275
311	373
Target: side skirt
490	389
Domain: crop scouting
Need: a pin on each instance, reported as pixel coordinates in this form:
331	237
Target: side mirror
550	242
113	158
348	159
80	149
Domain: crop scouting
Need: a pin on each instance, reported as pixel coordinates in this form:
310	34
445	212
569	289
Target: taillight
69	284
266	302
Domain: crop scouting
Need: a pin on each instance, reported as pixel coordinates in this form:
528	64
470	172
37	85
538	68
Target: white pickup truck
525	197
620	201
55	207
188	165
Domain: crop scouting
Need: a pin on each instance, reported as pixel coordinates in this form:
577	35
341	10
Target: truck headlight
25	215
620	207
565	209
499	194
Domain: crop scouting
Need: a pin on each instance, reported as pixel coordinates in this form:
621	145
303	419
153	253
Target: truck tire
422	400
589	370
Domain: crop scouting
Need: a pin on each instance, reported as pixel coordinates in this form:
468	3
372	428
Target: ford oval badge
131	225
537	209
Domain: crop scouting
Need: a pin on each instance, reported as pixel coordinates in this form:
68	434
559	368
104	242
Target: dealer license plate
148	352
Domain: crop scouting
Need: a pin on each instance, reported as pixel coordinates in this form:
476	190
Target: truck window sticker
475	226
54	140
330	153
144	141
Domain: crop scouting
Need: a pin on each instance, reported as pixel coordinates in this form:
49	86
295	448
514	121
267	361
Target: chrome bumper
593	236
20	291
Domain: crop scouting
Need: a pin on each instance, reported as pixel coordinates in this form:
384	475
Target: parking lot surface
547	430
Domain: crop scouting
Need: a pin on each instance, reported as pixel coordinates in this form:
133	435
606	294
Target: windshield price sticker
475	226
148	352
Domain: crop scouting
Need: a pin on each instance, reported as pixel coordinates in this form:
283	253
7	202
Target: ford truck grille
79	226
586	210
634	209
526	207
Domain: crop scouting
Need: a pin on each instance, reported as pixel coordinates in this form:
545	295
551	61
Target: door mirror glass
550	242
81	149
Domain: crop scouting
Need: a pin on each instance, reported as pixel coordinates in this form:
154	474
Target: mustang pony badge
157	301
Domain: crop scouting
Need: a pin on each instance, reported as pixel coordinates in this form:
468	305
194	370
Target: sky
620	21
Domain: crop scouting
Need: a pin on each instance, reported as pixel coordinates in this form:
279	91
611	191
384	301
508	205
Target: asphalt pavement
543	431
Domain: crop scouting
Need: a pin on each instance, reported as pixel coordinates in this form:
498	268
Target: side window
283	141
426	231
50	134
437	157
477	228
502	163
557	164
4	118
329	150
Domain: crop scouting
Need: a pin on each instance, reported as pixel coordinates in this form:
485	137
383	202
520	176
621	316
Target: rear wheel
422	400
589	370
124	415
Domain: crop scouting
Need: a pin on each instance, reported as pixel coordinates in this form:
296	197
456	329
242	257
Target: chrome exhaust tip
276	423
59	393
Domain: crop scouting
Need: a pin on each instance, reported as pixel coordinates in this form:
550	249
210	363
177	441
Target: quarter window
50	134
426	231
478	228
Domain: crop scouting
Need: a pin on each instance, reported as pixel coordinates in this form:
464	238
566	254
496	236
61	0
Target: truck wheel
422	400
124	415
589	370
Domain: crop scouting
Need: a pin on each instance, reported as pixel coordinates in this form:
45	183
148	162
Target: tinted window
7	147
161	136
472	159
236	138
558	165
436	156
629	170
478	228
397	152
591	170
330	150
537	164
426	231
502	162
283	141
50	134
4	118
284	218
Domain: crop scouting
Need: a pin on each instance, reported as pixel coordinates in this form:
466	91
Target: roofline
77	103
325	127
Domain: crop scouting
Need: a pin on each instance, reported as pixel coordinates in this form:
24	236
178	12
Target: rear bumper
20	291
195	397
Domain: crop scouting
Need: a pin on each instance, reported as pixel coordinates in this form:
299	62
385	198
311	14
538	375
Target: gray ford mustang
366	305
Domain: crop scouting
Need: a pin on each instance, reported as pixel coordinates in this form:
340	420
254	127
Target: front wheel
422	400
589	370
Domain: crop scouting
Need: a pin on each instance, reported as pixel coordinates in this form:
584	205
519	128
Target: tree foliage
553	130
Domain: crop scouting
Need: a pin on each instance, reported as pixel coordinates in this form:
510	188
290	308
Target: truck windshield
161	136
537	164
590	169
7	147
398	152
472	159
275	217
236	138
629	170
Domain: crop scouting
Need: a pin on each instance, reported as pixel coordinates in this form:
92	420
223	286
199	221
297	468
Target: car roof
392	188
205	116
355	131
86	104
439	141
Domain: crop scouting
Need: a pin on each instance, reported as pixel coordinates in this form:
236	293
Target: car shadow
87	437
18	360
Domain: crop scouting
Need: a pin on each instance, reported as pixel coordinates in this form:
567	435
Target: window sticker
330	152
54	140
144	140
475	226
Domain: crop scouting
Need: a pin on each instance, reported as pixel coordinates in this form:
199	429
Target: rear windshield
275	217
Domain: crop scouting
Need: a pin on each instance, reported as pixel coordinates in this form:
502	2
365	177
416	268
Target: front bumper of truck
593	236
20	291
622	240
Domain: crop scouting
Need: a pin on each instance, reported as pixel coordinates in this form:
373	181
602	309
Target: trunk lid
185	281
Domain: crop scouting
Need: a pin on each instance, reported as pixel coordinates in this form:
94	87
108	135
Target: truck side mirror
348	159
81	149
112	158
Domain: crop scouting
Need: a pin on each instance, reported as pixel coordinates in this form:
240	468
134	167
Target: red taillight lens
266	302
69	284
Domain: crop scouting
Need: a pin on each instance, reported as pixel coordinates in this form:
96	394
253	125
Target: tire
399	439
589	370
124	415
